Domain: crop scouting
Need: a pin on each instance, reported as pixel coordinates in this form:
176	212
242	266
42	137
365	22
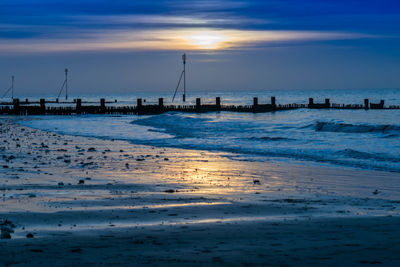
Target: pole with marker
66	84
184	77
12	87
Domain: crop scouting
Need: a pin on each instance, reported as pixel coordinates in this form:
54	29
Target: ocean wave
355	154
268	138
355	128
248	136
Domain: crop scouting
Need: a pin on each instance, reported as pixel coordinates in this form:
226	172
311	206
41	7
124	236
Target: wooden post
327	102
218	102
16	106
139	103
26	101
42	105
161	102
366	103
102	105
255	101
382	104
198	103
79	106
310	102
273	101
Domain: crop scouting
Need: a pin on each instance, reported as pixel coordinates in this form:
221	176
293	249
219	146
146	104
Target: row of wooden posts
27	108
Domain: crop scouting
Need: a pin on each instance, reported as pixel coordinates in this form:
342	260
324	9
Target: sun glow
207	40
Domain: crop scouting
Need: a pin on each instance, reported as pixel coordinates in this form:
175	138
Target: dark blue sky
127	46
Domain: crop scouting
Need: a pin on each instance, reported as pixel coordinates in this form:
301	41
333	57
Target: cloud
84	25
172	39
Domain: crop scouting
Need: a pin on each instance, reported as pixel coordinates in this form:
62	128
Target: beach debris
170	191
139	159
5	235
81	181
29	235
44	146
36	250
5	166
6	228
91	149
166	159
60	184
375	192
256	182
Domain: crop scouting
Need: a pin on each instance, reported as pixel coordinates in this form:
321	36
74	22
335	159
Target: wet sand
91	201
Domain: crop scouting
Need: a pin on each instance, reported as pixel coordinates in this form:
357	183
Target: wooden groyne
78	106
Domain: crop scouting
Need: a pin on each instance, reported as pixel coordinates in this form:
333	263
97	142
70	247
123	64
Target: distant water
354	138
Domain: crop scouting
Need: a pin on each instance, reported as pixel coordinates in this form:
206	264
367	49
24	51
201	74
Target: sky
126	46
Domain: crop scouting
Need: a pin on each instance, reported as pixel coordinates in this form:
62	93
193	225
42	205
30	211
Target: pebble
30	235
170	191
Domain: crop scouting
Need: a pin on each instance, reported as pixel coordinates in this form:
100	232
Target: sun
207	40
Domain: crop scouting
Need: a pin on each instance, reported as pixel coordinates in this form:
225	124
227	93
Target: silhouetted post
327	102
273	101
218	102
366	103
198	103
43	105
102	105
382	103
255	101
16	106
79	106
56	100
26	101
310	102
161	102
139	103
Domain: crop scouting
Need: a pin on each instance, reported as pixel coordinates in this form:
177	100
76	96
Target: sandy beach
68	200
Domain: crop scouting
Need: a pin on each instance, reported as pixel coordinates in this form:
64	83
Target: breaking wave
355	128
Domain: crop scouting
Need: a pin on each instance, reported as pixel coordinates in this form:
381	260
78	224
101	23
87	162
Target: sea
361	139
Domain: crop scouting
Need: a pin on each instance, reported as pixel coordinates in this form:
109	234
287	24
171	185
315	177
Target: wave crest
355	128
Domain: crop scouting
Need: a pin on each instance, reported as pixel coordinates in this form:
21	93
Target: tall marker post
183	74
66	84
184	77
12	87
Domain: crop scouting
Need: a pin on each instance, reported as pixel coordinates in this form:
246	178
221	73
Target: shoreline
78	189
